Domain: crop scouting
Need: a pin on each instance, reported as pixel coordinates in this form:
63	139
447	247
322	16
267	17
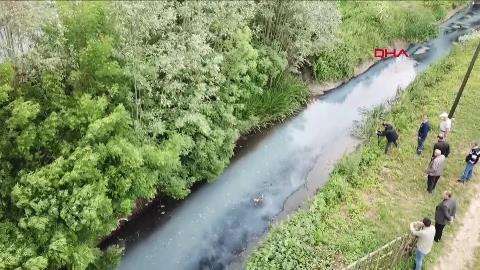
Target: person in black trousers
391	135
444	213
442	145
435	170
422	134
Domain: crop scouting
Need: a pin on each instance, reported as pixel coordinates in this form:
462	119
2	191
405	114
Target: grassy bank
364	26
370	198
367	25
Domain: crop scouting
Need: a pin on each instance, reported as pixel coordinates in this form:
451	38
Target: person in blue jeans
471	159
419	257
425	233
422	134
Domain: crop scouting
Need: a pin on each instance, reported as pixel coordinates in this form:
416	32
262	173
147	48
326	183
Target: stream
219	223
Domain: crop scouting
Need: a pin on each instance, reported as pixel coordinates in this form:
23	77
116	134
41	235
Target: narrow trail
459	254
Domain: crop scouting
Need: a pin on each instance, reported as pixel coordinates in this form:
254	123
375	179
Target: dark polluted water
214	226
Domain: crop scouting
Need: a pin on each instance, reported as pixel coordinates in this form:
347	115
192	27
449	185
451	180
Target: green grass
285	97
371	198
476	262
376	24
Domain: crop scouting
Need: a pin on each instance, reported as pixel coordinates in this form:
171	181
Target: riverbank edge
318	89
368	163
256	132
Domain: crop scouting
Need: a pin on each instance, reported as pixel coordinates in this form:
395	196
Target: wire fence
387	256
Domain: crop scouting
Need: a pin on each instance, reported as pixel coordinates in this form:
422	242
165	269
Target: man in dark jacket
422	134
391	135
442	145
471	159
444	213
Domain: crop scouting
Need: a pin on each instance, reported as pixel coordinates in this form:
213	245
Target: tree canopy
103	104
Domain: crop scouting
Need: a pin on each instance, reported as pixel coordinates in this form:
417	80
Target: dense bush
112	102
71	160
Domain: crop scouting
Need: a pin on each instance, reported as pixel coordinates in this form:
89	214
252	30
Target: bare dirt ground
459	254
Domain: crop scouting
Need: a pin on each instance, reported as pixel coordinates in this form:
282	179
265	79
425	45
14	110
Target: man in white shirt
445	124
425	233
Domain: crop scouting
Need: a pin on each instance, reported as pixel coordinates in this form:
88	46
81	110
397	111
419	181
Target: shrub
369	25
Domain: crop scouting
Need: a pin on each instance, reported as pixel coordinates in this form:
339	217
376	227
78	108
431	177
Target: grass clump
283	98
371	198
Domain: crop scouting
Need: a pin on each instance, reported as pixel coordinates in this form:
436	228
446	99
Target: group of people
446	209
427	233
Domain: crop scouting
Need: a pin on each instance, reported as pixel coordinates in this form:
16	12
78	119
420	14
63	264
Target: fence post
399	252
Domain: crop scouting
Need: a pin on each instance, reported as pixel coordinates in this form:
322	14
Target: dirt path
460	252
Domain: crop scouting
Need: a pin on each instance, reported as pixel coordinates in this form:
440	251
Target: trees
180	45
119	101
19	26
300	29
71	161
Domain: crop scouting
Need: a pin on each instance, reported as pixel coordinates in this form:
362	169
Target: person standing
435	170
471	159
445	124
390	134
425	233
442	145
422	134
444	213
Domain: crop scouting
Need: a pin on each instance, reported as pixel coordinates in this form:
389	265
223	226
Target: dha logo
384	53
